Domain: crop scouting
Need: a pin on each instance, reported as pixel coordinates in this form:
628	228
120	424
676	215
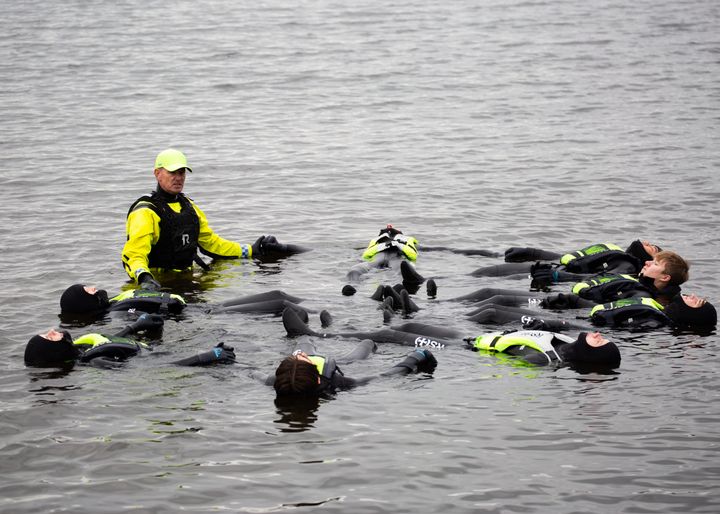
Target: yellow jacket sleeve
143	231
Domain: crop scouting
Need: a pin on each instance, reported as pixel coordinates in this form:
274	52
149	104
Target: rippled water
472	124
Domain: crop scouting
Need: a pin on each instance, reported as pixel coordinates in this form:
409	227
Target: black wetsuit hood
581	353
683	315
75	300
42	352
637	250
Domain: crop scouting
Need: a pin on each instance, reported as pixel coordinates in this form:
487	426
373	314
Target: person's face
301	356
693	301
173	182
655	269
52	335
90	289
651	249
595	340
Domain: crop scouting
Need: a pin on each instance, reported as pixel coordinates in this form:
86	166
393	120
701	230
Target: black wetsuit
640	312
89	306
422	335
588	261
109	350
332	379
418	335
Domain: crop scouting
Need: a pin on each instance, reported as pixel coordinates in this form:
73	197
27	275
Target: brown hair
675	266
295	376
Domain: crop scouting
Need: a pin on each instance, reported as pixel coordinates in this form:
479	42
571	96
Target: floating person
573	266
659	279
589	259
83	301
684	311
390	249
80	302
166	229
57	348
305	373
590	350
596	351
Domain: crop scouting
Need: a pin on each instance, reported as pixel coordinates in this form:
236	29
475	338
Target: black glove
257	247
521	254
144	322
560	301
272	245
268	245
221	354
419	360
552	325
148	282
543	273
531	323
566	276
550	274
147	322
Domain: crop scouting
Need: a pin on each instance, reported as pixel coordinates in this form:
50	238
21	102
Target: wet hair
683	315
296	377
675	266
581	353
42	352
75	300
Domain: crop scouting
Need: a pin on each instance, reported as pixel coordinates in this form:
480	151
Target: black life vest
608	287
179	231
109	347
630	311
592	259
147	301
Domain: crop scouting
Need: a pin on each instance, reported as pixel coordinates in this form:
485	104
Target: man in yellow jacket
166	229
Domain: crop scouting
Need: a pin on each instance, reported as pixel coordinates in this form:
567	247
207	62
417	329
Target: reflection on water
298	413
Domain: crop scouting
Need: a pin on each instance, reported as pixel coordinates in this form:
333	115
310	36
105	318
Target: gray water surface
472	124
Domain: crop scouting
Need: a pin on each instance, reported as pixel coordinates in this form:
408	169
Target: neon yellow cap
171	160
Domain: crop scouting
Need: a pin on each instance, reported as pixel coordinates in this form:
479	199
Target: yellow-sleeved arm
214	245
143	231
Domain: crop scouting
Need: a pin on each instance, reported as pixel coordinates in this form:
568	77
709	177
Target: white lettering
186	239
422	342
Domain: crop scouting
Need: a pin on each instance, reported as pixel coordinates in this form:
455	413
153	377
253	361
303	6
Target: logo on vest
421	342
185	239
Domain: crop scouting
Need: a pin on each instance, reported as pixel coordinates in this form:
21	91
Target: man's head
691	311
82	299
297	375
666	269
53	348
170	168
